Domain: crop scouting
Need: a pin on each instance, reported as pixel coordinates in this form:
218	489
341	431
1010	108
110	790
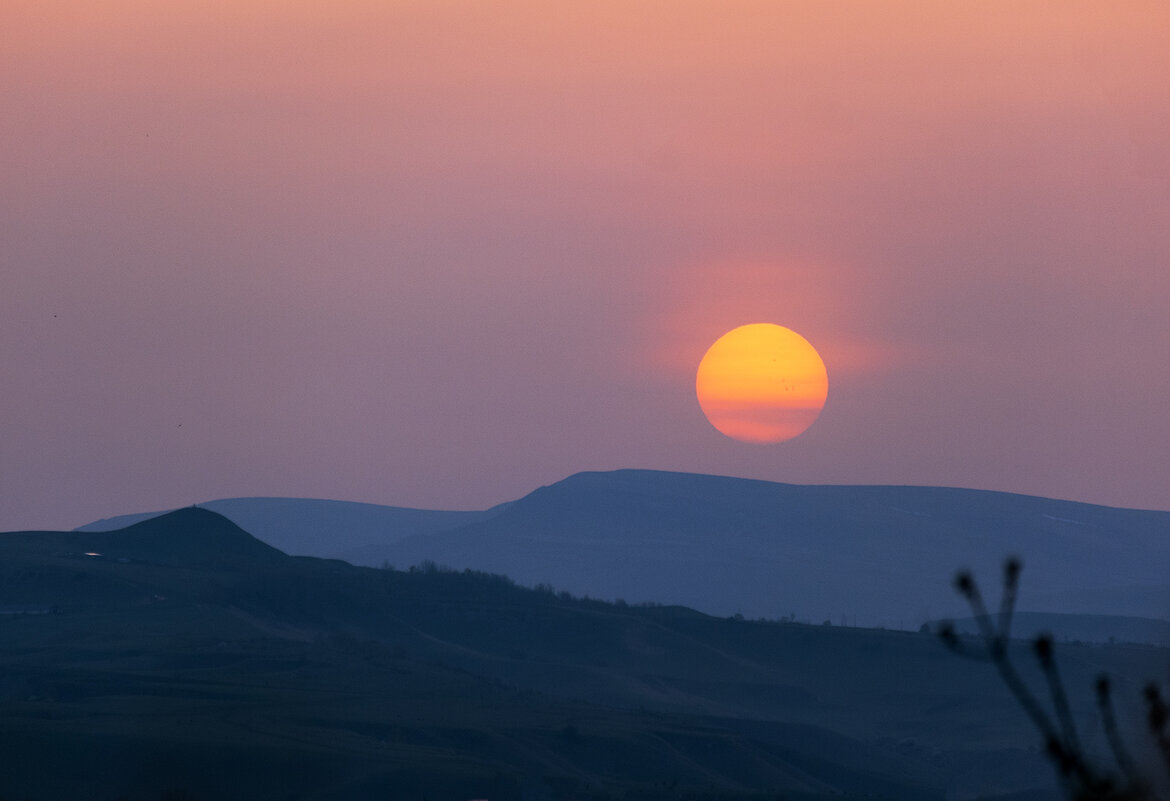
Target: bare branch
1007	602
1082	781
1044	654
1112	733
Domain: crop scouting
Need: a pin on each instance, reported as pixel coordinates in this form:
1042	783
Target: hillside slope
148	669
870	555
877	555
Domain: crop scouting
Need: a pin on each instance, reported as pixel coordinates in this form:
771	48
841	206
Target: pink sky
437	254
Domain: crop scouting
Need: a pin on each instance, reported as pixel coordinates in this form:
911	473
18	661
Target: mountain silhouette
190	537
180	653
874	555
355	532
879	555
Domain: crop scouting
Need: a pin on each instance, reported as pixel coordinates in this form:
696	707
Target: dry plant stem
1068	729
965	584
1112	733
1007	601
1011	678
1081	781
997	642
1159	718
1061	742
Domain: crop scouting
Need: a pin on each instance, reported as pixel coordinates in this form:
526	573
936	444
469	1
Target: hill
880	555
150	670
355	532
870	555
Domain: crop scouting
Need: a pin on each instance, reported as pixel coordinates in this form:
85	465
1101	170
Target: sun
762	383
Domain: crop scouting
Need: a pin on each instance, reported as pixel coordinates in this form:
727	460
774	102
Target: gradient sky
437	254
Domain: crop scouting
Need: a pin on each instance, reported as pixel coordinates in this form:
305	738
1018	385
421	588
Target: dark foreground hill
355	532
871	555
181	658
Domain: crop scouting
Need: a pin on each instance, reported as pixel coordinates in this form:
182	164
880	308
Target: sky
437	254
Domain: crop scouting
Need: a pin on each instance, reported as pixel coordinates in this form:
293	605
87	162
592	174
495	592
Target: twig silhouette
1082	780
1112	733
1159	721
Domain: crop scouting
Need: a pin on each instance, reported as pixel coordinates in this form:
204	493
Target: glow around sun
762	383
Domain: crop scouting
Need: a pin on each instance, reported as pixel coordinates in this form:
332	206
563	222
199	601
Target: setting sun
761	383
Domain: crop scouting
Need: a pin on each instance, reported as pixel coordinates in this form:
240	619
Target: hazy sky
437	254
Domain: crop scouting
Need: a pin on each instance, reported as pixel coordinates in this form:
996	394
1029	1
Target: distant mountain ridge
870	555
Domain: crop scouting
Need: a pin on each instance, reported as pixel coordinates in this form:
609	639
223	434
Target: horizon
203	503
436	256
649	536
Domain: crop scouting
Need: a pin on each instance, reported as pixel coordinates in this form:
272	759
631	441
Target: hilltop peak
190	536
193	514
189	515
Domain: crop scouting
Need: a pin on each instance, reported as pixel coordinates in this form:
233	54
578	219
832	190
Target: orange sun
762	383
